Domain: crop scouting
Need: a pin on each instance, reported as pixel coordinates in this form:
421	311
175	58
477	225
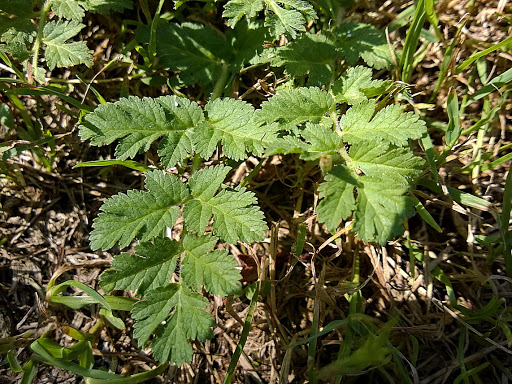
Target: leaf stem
218	89
39	37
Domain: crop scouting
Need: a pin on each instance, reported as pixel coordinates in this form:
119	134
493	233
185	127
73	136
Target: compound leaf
310	54
142	121
188	321
58	53
337	194
390	124
233	123
356	84
139	213
356	40
216	270
381	208
297	106
150	267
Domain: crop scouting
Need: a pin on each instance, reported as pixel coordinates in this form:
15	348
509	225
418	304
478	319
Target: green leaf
138	213
18	34
105	6
233	123
356	40
198	52
287	16
297	106
379	159
310	54
216	270
142	121
282	17
355	85
234	10
285	145
58	53
188	321
381	208
235	214
68	9
390	124
150	267
337	194
22	8
322	141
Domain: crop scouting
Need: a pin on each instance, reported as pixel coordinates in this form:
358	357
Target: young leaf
68	9
231	122
356	85
58	53
234	10
235	216
356	40
381	208
296	106
188	321
150	267
138	213
18	34
216	270
310	54
322	141
287	16
142	121
390	124
282	17
337	194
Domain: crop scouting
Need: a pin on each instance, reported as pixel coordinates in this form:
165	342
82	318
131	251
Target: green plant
364	153
326	111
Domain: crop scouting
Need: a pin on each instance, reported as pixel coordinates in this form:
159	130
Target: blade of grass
454	129
466	63
411	41
425	215
243	337
504	224
459	196
493	85
447	59
104	163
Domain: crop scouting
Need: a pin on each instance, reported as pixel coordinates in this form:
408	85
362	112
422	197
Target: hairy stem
40	28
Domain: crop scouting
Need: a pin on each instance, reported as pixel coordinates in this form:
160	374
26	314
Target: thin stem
39	37
218	89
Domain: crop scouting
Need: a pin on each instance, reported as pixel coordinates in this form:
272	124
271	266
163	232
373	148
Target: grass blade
411	41
466	63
